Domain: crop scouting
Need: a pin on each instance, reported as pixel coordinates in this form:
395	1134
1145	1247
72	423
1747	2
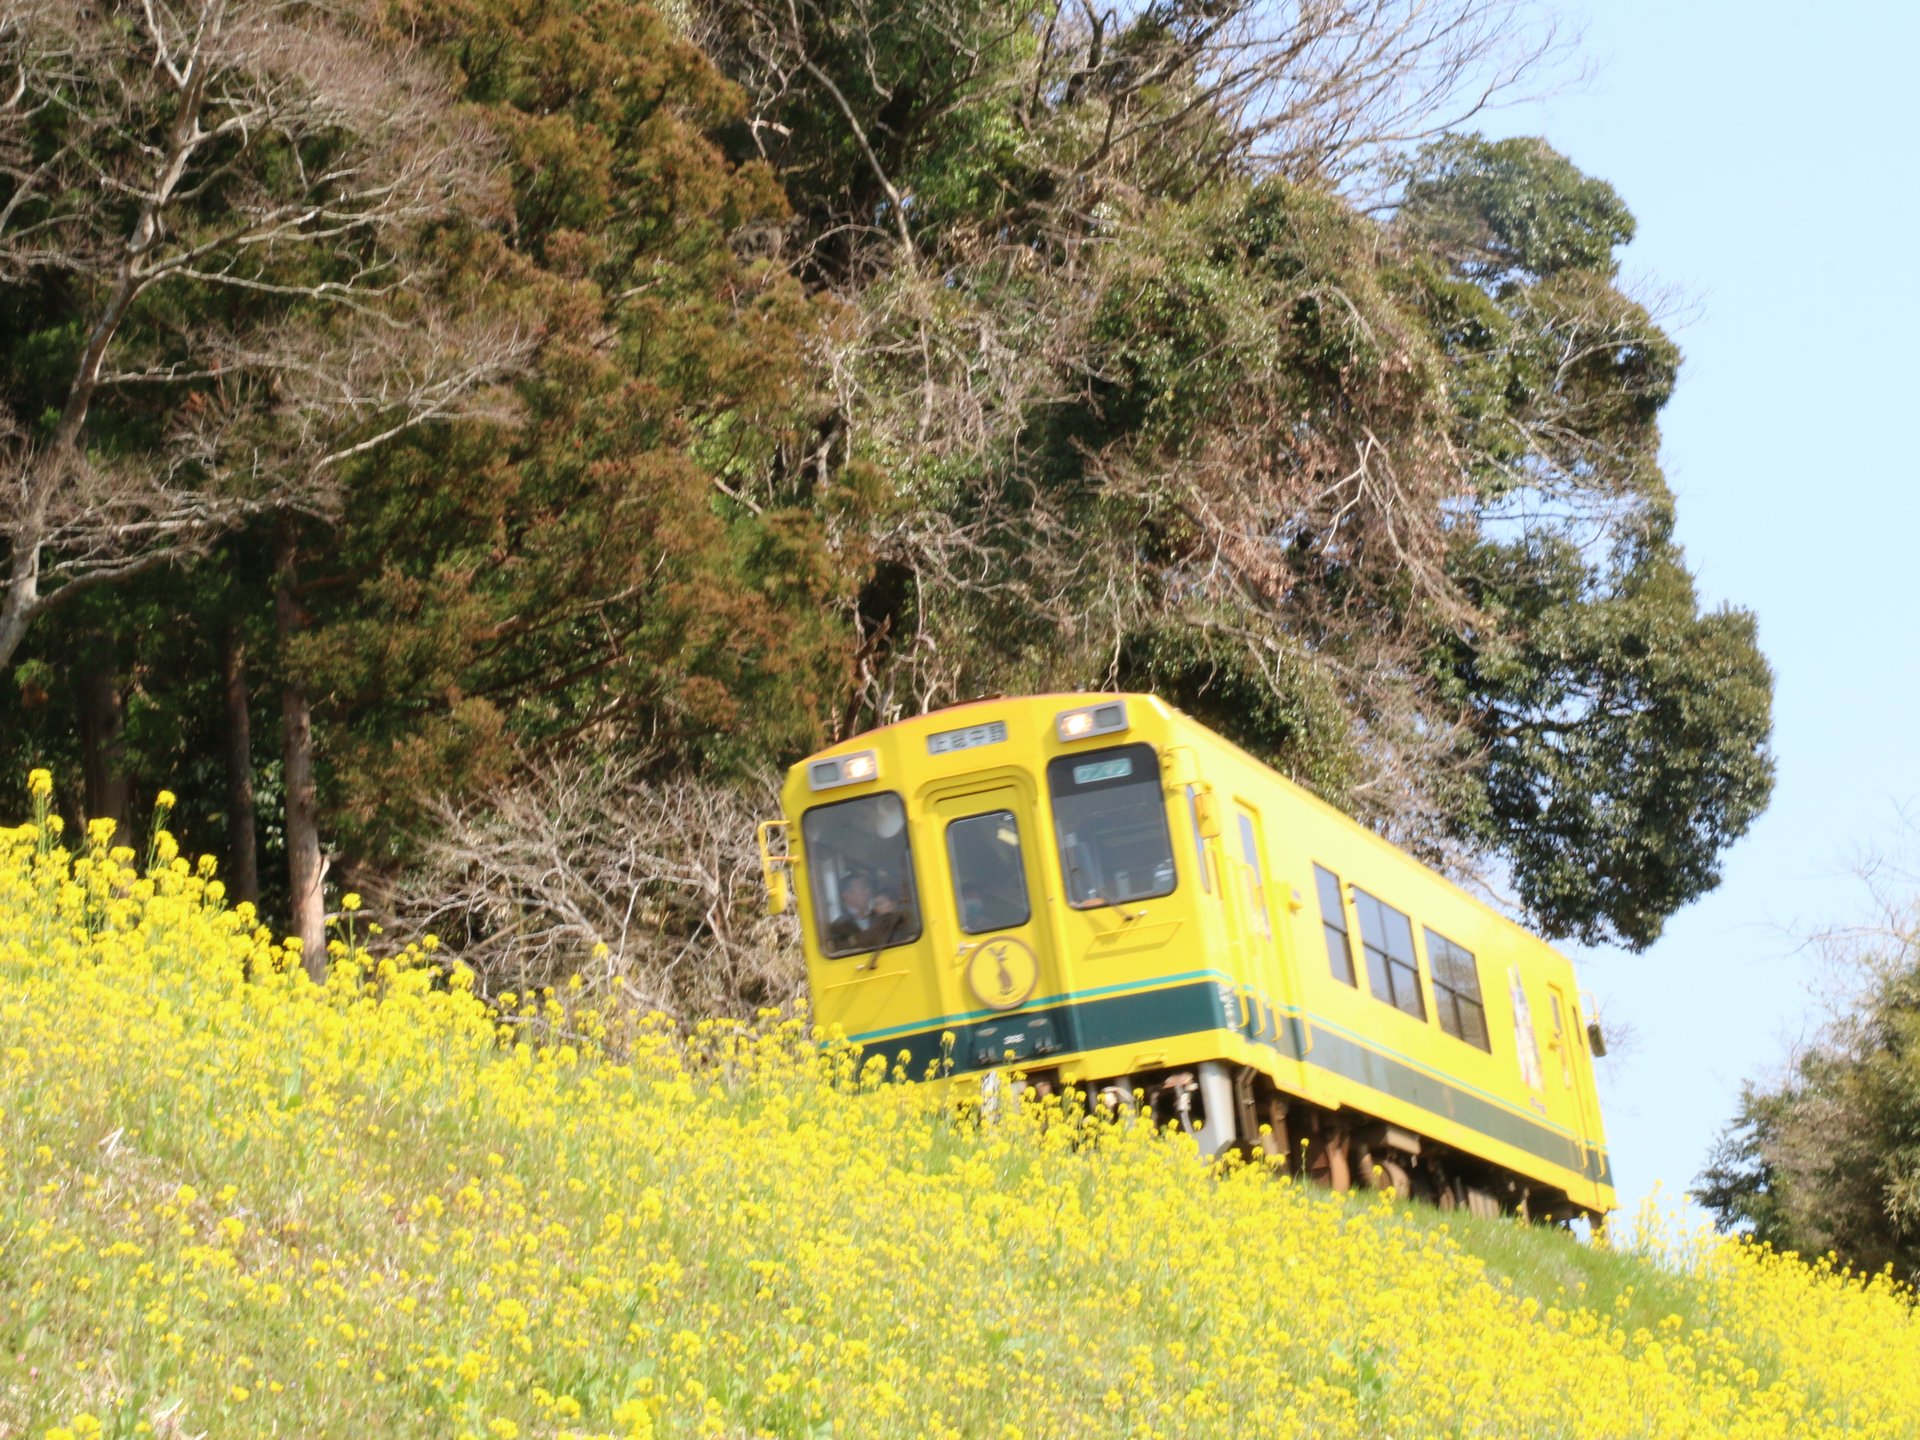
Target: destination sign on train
947	741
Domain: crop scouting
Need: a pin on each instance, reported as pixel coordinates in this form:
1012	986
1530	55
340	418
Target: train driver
870	914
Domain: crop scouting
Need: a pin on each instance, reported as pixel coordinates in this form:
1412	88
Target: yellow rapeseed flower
421	1221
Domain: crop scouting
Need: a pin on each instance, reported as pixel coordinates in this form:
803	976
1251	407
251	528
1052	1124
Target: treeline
1825	1157
424	412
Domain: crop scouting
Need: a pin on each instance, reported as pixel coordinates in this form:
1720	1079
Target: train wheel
1275	1142
1387	1173
1328	1164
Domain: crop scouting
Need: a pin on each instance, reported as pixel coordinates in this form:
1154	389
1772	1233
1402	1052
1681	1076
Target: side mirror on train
1206	813
773	867
1596	1040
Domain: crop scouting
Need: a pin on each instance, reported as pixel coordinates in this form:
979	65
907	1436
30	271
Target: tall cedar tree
599	572
609	573
601	577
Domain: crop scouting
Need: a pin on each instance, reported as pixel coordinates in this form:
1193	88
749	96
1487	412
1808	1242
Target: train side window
1387	937
1199	840
1456	991
1256	881
989	878
1333	924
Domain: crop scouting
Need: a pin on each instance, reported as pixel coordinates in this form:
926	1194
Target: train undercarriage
1235	1108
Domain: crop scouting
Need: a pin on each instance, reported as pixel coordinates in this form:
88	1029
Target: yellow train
1095	891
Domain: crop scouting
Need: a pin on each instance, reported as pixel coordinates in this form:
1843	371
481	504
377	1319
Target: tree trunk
103	721
305	868
243	863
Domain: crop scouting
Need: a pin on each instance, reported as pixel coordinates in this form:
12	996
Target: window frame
1560	1036
1199	840
1389	961
1150	780
1020	867
1250	861
1335	924
909	879
1448	999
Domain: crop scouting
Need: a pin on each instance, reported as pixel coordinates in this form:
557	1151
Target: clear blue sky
1770	155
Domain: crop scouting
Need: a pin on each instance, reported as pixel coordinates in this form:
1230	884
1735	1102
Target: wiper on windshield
1127	917
894	917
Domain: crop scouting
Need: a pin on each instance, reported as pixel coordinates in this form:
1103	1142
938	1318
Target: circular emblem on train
1003	971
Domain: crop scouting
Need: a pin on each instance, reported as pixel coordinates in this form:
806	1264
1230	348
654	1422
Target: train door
1004	969
1573	1074
1222	939
1237	953
1261	970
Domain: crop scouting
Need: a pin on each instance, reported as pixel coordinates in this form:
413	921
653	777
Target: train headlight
1107	718
854	769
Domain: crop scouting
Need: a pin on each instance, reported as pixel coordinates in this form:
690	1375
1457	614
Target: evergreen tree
614	573
1828	1158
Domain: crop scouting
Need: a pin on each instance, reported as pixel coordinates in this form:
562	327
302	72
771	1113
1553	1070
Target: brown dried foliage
664	874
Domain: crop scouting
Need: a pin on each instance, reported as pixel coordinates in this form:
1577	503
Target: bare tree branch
665	876
276	149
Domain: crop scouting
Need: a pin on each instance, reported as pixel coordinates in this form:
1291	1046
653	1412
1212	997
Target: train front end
1001	885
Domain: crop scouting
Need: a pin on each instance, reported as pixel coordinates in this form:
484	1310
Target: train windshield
1111	818
861	871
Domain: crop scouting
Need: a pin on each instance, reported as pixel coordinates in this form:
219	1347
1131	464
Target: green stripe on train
1045	1034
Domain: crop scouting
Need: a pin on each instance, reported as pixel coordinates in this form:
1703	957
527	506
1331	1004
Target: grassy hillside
237	1204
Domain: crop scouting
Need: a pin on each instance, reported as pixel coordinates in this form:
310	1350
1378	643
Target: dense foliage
609	575
1376	491
1827	1158
587	566
240	1203
828	361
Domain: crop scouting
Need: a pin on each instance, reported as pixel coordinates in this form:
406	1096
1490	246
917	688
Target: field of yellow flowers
235	1203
